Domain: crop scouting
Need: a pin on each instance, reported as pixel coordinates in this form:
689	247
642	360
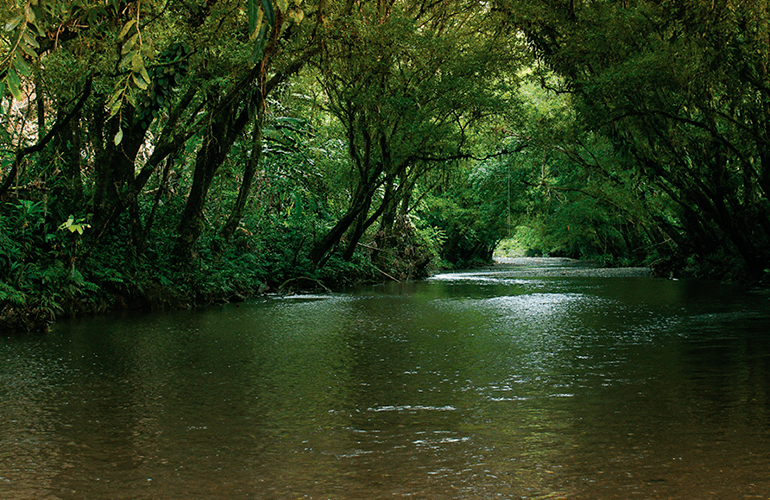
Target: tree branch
55	129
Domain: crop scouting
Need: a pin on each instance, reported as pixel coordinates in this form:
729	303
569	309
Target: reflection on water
470	385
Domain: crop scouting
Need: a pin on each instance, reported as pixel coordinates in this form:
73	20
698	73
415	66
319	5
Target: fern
11	295
82	283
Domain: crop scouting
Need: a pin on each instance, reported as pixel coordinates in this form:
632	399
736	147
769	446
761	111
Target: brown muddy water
473	385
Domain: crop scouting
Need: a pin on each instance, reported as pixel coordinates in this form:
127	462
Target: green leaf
296	15
139	81
137	62
146	76
14	84
147	50
67	223
38	11
28	50
11	25
255	17
125	29
259	44
114	98
258	27
72	227
30	40
267	6
118	137
129	45
40	31
21	65
29	14
115	107
130	97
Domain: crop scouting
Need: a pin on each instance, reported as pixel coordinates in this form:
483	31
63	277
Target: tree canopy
157	153
678	88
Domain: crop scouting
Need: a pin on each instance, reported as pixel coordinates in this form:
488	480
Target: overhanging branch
55	129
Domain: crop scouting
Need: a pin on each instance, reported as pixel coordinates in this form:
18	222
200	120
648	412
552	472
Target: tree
96	96
678	88
240	105
408	81
162	75
567	189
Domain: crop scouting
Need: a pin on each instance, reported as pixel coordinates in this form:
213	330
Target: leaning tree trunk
248	178
359	206
219	138
320	251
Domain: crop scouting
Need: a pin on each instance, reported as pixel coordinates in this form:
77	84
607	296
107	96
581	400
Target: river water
474	385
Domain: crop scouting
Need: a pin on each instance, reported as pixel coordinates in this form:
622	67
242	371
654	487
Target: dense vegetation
163	153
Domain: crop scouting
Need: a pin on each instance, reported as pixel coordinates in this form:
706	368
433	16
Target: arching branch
57	127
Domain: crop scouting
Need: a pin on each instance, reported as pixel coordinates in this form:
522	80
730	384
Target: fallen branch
383	250
386	274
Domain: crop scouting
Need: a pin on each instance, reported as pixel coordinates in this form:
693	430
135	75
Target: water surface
471	385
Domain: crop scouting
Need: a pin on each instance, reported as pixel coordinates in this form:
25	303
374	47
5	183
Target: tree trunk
66	145
360	203
219	138
142	245
389	207
248	177
114	167
361	224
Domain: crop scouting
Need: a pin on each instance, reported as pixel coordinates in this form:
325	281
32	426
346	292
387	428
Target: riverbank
225	285
158	286
562	266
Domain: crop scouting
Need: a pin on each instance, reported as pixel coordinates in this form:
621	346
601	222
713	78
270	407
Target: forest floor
561	266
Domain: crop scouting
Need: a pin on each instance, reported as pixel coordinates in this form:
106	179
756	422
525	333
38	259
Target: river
471	385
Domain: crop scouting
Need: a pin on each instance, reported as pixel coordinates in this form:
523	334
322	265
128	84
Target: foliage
676	86
470	221
162	154
408	85
38	275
